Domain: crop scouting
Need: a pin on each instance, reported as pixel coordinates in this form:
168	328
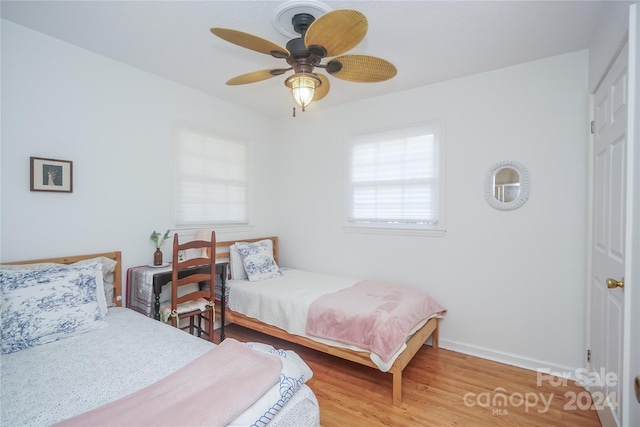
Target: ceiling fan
329	36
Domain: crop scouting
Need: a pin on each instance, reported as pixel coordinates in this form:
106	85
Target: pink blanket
212	390
373	316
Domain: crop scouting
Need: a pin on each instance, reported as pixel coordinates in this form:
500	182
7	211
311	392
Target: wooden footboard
430	329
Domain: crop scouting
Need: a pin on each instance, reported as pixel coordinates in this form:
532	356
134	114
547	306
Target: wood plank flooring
441	388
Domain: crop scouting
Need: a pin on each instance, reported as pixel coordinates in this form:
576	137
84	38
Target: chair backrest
203	269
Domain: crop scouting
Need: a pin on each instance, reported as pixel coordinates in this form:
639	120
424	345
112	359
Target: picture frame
51	175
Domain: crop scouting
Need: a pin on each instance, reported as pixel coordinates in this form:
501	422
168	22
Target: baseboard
510	359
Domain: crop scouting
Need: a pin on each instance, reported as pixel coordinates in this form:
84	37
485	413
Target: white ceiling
428	41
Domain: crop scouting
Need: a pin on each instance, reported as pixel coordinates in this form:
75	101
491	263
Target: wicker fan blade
323	89
337	31
361	68
256	76
252	42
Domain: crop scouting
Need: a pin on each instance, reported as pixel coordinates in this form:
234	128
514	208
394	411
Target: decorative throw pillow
258	261
41	306
235	264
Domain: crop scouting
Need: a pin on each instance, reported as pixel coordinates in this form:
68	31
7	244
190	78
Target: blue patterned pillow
257	259
41	306
105	283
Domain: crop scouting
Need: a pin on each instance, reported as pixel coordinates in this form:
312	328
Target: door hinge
588	355
593	126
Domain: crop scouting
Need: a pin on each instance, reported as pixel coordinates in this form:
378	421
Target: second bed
287	304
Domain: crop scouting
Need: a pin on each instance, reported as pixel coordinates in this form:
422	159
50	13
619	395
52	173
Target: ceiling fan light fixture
303	88
328	34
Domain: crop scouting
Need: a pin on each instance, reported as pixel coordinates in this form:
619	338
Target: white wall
116	124
513	281
607	41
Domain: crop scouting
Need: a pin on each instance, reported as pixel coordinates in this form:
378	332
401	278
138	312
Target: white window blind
210	183
394	179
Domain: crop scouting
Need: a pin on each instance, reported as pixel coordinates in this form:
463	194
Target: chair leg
211	320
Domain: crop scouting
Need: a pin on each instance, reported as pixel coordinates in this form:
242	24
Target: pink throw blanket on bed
373	316
212	390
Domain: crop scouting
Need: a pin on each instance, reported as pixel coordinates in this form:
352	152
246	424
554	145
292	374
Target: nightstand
144	285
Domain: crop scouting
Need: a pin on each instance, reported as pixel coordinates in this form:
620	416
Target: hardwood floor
441	388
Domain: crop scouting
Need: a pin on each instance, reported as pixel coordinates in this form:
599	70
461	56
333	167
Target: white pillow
109	293
235	264
41	306
257	259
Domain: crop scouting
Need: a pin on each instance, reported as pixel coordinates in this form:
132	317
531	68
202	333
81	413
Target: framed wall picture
51	175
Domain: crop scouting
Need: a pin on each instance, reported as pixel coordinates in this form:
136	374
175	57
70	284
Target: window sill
395	231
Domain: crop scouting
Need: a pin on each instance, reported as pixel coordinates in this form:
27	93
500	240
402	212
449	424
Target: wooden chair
196	304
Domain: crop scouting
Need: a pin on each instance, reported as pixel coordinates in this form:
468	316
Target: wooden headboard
117	274
222	248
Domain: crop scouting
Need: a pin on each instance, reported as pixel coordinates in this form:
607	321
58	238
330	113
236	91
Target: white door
609	151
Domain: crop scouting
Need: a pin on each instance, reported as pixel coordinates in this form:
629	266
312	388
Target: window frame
436	230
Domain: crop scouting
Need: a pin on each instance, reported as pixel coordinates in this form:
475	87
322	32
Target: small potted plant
158	239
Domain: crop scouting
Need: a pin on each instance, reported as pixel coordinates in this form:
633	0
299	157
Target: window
210	183
395	181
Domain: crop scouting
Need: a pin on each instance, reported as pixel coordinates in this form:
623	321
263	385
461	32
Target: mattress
55	381
284	302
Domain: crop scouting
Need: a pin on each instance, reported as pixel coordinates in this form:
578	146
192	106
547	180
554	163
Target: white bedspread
284	302
56	381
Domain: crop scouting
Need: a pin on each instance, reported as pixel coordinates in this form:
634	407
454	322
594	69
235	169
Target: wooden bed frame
117	273
415	343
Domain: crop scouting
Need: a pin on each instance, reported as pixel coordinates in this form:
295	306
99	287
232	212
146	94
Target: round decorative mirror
506	185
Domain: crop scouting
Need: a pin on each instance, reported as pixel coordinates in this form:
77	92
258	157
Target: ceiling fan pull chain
294	111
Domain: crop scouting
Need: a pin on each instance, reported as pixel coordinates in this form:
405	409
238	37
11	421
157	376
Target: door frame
631	350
